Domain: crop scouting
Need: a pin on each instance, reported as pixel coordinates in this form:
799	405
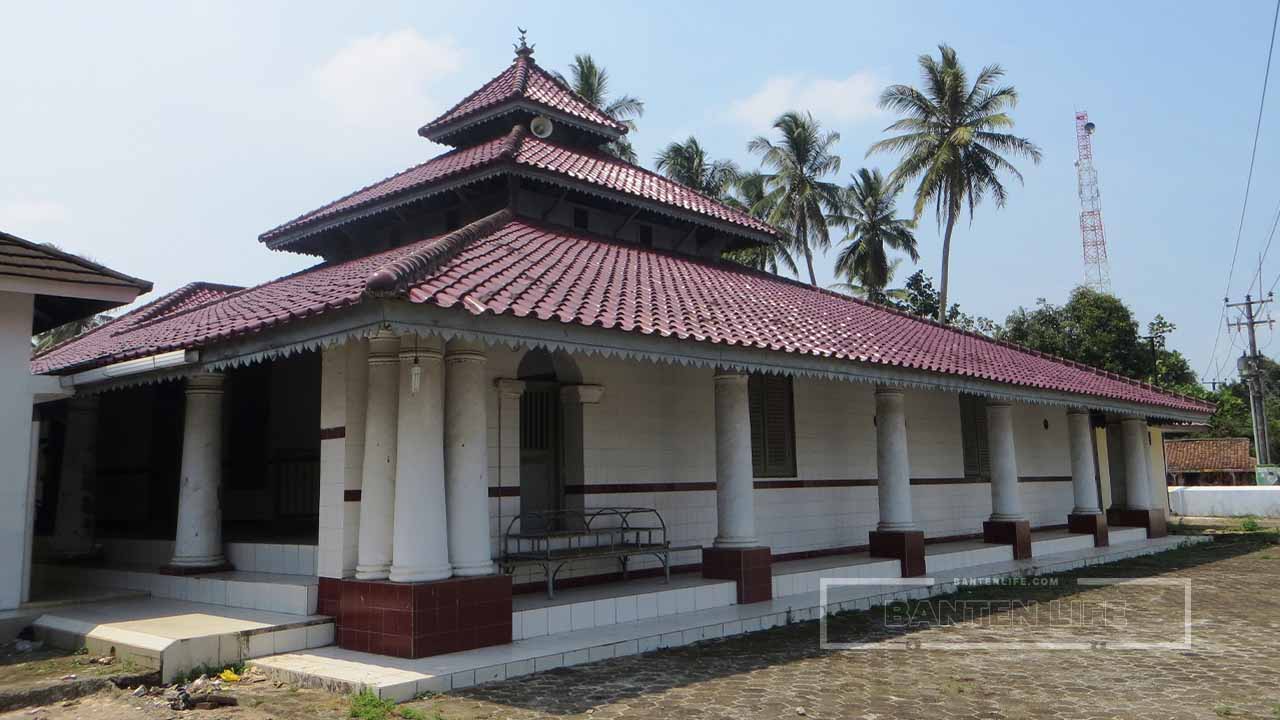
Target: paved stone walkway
1232	669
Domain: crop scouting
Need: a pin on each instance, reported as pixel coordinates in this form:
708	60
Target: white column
420	550
29	510
15	448
735	487
1006	504
198	542
1137	480
1083	479
893	465
466	458
377	491
73	532
333	461
357	380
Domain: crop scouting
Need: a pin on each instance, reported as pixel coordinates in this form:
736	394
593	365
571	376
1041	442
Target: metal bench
553	539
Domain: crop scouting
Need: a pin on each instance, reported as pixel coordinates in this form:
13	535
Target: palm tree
851	286
687	163
796	193
868	215
62	333
749	196
951	138
591	81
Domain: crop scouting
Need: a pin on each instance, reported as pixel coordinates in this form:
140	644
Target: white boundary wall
1263	501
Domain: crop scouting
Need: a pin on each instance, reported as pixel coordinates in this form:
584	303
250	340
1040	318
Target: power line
1248	184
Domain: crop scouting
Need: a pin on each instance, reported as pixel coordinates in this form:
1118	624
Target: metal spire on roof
524	49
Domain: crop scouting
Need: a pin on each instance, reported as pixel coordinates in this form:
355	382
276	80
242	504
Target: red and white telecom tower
1097	271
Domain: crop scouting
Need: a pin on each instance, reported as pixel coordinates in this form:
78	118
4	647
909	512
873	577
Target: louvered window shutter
772	426
973	431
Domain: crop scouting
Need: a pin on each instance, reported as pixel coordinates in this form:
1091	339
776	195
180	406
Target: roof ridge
522	73
513	141
471	96
451	151
1001	342
392	278
136	315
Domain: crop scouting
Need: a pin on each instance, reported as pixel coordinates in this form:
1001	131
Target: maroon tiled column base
751	568
1152	520
328	598
414	620
1095	525
907	546
1009	532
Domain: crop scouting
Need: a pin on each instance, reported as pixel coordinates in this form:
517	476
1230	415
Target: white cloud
383	81
830	100
19	215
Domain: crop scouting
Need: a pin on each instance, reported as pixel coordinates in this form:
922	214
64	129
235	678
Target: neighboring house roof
509	265
1208	455
524	82
107	340
68	287
523	152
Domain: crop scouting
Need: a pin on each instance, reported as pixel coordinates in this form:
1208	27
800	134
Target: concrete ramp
175	636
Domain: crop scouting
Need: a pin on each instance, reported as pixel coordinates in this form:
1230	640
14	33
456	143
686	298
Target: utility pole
1155	356
1250	367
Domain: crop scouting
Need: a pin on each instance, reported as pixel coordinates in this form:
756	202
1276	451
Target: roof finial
524	49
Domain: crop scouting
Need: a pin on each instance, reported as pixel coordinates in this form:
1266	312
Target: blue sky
163	138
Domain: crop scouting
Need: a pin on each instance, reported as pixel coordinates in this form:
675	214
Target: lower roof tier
507	265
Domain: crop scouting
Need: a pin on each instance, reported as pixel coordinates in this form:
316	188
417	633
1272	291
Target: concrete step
273	592
175	636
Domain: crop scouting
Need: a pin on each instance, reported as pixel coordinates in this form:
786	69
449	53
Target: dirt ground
1231	668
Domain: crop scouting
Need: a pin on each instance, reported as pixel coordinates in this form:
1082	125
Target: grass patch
365	705
1250	524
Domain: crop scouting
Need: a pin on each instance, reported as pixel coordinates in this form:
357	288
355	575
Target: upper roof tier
523	89
522	154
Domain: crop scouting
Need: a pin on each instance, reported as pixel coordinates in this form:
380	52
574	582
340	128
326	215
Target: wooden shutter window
973	432
772	426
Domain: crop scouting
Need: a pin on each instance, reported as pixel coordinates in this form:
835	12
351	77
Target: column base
172	569
1151	520
416	620
905	545
1094	524
751	568
1009	532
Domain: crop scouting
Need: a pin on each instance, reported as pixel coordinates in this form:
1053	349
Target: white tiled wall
618	610
244	557
292	594
656	424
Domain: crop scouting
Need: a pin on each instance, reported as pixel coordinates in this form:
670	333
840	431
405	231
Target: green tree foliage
797	195
1233	418
920	297
953	137
1099	330
868	216
591	81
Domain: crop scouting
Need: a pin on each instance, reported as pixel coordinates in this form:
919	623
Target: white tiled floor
609	604
401	679
293	594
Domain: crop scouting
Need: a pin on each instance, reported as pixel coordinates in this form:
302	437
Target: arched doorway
550	436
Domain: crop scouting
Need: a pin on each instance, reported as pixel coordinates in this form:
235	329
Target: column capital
208	383
422	348
997	403
582	394
1078	411
728	377
383	347
1130	419
82	403
883	391
464	350
509	387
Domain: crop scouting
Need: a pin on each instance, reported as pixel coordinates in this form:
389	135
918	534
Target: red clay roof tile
1208	455
527	269
523	80
581	165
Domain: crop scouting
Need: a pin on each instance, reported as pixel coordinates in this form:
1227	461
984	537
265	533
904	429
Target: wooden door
540	484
